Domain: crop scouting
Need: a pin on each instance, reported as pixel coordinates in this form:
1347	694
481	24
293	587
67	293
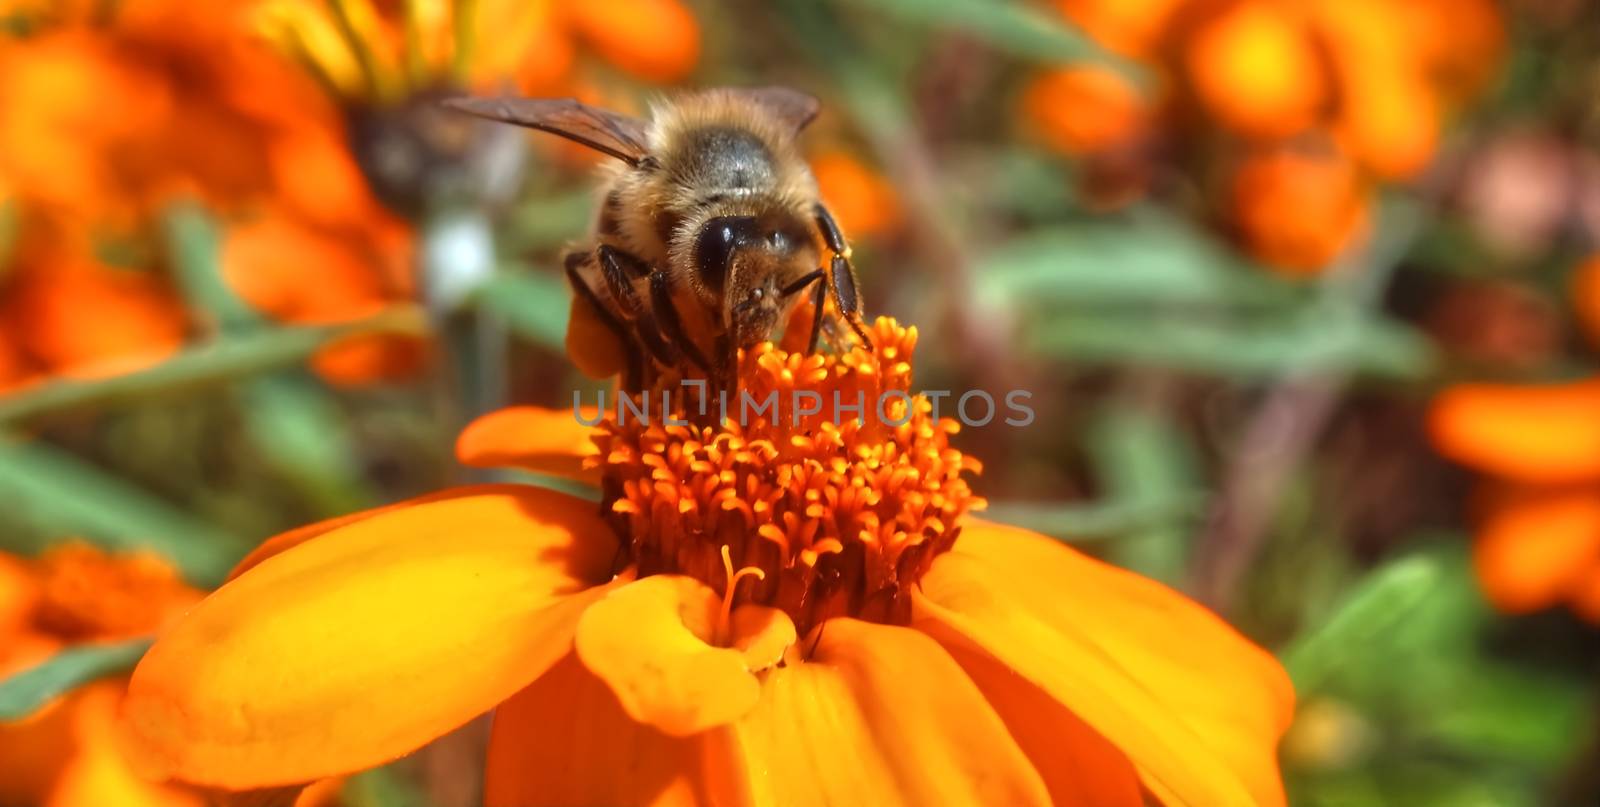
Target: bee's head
747	262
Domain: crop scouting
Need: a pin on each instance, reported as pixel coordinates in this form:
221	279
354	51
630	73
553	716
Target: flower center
823	473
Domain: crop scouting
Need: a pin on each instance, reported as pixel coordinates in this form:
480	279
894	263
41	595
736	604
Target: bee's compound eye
715	245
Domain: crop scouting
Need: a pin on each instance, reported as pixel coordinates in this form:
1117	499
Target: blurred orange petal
1537	434
521	41
1586	297
350	650
1388	116
550	441
1585	594
859	198
1197	708
656	40
1132	27
86	319
566	740
98	773
1537	547
372	358
298	273
88	594
874	715
1298	210
33	751
1083	108
19	592
1255	69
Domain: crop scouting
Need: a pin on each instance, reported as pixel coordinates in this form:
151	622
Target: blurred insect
707	236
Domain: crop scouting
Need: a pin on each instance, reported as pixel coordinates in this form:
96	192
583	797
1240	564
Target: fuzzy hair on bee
709	231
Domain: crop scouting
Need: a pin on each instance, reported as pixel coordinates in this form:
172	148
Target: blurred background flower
1305	295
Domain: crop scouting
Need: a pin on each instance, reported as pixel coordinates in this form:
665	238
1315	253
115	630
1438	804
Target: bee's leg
633	374
671	324
615	266
842	274
818	300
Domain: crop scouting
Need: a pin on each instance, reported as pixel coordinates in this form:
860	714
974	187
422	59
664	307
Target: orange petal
650	642
877	715
656	40
19	592
1585	297
550	441
1256	68
1540	434
283	541
1078	765
98	773
1586	595
1535	547
353	649
1080	109
1196	707
566	740
34	750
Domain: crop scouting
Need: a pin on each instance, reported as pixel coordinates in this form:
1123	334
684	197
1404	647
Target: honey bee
710	230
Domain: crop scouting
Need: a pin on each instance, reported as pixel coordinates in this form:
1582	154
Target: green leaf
547	221
1140	456
1020	29
297	426
384	787
75	497
30	690
534	305
1149	260
195	242
1325	338
1382	601
1084	522
220	362
1508	714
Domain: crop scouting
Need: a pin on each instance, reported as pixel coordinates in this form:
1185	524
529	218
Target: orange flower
1084	109
776	611
1297	209
1379	75
105	123
68	755
296	272
385	52
1539	539
70	314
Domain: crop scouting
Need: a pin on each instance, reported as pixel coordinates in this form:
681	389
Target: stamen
733	579
836	512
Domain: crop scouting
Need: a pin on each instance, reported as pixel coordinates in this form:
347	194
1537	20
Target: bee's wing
604	131
790	106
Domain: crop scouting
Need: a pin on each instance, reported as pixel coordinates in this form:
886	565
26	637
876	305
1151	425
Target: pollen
824	473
